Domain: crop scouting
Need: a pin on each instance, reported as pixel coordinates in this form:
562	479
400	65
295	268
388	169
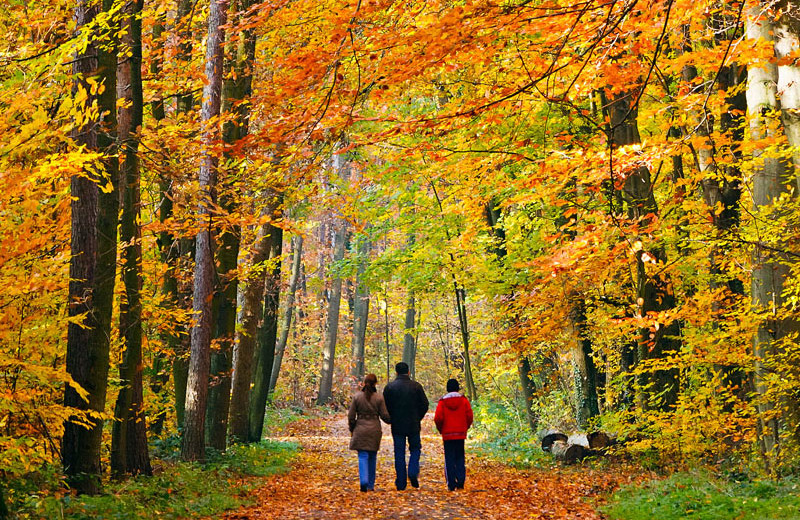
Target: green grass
697	495
177	490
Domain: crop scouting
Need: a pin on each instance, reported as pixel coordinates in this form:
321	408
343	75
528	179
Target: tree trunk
280	348
329	352
409	345
772	177
586	381
184	248
267	336
193	445
787	44
237	88
129	433
360	311
461	307
93	246
250	311
168	252
493	214
659	388
528	390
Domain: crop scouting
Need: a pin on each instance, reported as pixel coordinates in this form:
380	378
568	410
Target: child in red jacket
453	418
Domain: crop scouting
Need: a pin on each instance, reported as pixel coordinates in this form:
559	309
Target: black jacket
407	404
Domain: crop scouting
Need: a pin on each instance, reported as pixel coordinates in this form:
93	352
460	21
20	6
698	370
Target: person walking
363	418
453	417
407	405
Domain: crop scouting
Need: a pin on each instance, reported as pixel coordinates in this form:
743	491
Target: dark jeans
414	448
454	469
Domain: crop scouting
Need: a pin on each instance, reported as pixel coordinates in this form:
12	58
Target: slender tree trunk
360	311
280	348
461	307
168	252
528	390
129	433
184	248
193	445
93	246
409	345
267	336
493	214
329	351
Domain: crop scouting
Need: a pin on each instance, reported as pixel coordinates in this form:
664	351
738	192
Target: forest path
323	484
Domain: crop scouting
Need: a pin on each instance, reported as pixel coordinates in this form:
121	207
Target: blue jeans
366	468
414	448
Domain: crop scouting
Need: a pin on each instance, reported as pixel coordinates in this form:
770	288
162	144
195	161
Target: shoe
451	488
414	482
363	487
460	486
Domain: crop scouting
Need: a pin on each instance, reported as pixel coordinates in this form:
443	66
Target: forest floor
323	484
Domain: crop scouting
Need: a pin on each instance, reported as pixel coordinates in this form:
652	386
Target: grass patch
697	495
177	490
498	433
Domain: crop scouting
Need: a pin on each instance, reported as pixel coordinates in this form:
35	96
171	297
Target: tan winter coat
363	418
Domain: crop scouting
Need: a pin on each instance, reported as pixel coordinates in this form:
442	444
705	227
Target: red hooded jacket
453	416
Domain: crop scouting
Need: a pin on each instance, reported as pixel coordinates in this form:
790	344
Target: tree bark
360	311
280	348
461	307
237	88
183	248
772	177
129	434
250	311
267	336
329	352
93	246
409	345
654	293
193	445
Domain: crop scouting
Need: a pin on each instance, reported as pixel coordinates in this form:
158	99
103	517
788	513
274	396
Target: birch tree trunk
280	347
772	177
93	245
193	445
129	433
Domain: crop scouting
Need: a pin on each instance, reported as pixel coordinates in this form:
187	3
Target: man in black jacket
407	405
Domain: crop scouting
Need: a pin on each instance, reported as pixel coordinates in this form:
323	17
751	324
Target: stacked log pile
574	448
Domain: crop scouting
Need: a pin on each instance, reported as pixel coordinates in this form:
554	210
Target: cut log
599	440
550	438
567	453
579	438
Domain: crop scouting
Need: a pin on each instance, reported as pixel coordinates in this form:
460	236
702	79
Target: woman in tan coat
363	418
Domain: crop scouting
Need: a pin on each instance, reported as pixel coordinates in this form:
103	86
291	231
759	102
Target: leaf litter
323	484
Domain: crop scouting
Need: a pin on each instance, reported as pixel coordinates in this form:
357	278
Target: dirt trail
323	484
